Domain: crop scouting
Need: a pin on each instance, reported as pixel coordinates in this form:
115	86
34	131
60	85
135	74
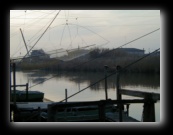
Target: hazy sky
80	28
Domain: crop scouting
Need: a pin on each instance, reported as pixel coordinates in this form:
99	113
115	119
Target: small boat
33	96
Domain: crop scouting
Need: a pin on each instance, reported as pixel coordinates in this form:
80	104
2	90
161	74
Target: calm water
54	88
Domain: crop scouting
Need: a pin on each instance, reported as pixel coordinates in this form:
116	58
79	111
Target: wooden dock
47	111
30	111
114	117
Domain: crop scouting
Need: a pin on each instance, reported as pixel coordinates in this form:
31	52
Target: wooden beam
24	85
87	103
154	96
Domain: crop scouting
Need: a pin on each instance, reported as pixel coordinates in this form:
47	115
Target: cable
69	32
37	33
41	35
110	75
91	31
37	21
103	54
31	24
62	34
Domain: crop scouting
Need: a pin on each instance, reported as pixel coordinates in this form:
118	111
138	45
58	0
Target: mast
24	42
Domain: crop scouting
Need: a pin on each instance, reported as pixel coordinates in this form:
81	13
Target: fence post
39	114
26	92
14	82
149	109
120	106
10	94
127	106
52	112
65	95
106	94
101	107
10	79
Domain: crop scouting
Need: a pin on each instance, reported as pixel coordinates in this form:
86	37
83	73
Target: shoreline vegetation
95	61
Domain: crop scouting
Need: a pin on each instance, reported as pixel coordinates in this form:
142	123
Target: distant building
39	55
133	51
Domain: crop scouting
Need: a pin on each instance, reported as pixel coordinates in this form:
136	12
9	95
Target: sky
81	28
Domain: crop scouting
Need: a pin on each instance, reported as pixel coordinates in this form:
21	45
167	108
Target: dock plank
32	105
141	94
114	117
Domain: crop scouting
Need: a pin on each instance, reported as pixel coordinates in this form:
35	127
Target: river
54	88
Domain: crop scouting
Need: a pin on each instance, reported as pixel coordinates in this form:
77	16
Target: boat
33	96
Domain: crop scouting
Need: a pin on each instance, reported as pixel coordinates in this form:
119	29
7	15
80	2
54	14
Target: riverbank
95	62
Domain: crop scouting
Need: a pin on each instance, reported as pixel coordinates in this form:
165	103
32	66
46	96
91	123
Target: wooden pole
10	94
24	42
26	92
127	106
119	95
52	114
39	113
65	95
106	94
101	107
149	109
14	82
10	79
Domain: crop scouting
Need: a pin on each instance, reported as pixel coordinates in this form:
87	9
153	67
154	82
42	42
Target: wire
69	32
41	35
110	75
91	31
103	54
31	24
62	34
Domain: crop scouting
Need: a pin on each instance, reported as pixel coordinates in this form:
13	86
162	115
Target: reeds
95	61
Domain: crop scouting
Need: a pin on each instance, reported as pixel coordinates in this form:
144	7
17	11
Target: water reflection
151	81
54	88
38	80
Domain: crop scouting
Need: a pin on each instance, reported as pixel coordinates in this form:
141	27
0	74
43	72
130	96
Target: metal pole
14	82
106	94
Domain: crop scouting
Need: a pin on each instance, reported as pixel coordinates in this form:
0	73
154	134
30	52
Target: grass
150	64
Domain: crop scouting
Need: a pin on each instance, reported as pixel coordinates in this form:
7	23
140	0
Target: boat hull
32	96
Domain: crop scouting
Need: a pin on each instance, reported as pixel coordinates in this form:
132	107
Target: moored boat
33	96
